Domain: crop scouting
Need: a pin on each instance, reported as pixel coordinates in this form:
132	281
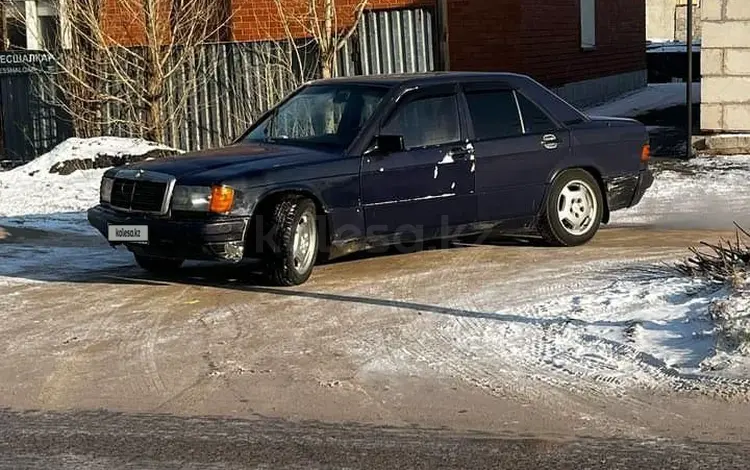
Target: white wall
725	66
665	21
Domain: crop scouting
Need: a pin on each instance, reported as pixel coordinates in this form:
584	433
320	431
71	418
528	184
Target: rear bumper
628	191
645	181
217	239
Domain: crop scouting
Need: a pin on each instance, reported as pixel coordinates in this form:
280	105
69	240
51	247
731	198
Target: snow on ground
654	97
620	324
605	326
31	196
705	192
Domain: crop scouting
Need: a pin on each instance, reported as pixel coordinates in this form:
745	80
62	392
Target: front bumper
210	239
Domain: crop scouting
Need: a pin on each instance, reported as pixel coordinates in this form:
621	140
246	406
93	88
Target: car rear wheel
293	232
573	211
158	265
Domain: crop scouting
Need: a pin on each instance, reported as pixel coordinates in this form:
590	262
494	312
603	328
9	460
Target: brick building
588	50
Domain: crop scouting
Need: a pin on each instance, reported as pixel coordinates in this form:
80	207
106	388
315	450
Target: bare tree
128	74
320	20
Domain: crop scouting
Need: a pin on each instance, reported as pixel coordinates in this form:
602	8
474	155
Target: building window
588	24
30	24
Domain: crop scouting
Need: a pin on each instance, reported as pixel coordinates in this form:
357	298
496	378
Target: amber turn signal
646	153
222	199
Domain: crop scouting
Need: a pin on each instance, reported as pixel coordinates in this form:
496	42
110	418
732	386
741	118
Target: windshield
327	116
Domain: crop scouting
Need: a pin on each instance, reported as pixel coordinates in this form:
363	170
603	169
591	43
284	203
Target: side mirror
386	144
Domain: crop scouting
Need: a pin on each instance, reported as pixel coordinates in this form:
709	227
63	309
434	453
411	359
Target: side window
426	122
588	24
534	119
494	114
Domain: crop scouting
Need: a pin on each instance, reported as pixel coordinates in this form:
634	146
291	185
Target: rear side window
426	122
494	114
534	119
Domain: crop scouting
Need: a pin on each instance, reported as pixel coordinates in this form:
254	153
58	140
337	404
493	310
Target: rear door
517	146
430	184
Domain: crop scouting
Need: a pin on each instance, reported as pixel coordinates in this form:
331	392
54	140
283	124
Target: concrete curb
722	144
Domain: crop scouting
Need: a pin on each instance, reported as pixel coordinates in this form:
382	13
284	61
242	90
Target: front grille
139	196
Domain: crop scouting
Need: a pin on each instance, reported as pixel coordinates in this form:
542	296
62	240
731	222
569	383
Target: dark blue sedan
345	165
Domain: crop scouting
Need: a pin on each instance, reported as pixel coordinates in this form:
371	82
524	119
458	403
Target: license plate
128	233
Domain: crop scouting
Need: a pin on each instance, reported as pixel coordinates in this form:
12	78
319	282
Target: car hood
215	165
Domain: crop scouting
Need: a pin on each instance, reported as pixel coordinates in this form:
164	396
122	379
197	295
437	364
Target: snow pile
32	196
731	316
88	149
726	263
654	97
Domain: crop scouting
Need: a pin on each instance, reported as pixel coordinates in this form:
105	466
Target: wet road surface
102	440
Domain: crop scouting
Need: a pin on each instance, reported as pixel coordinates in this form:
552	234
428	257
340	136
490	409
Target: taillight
646	153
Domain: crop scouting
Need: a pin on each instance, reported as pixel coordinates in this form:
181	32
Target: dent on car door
428	185
517	146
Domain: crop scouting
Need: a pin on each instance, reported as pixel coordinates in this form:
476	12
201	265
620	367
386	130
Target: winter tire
573	210
294	238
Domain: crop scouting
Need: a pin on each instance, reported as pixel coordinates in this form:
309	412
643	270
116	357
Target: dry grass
725	262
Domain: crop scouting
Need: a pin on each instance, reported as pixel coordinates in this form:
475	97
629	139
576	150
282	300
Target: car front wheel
294	234
573	211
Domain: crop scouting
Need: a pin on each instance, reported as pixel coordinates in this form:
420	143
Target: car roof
424	78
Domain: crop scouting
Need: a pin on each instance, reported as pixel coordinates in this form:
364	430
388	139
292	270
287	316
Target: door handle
550	141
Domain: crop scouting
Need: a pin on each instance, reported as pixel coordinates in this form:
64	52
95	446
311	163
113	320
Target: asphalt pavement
107	440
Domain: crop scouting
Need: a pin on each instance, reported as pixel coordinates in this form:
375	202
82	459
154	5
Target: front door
517	147
429	186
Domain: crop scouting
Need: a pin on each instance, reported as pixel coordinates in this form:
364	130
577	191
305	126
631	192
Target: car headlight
191	198
105	189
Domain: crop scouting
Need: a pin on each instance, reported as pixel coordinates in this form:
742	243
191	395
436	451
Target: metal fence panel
218	92
391	41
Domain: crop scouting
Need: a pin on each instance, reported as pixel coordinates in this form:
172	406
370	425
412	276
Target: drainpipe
442	25
689	92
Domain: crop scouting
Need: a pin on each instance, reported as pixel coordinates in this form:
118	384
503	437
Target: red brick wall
254	20
483	35
537	37
121	25
542	38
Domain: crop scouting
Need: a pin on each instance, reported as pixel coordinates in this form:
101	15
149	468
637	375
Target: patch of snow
447	160
671	47
619	328
704	192
32	196
654	97
436	172
731	315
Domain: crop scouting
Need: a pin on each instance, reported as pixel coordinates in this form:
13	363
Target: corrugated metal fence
396	41
217	94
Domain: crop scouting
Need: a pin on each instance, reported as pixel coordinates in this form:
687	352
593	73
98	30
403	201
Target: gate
31	123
